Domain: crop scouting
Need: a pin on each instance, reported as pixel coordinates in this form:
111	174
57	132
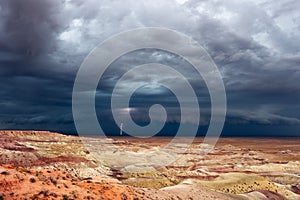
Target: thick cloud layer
255	44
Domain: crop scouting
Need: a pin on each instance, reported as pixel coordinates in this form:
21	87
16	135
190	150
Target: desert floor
46	165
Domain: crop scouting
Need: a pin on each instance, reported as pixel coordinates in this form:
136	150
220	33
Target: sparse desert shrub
53	194
53	180
65	197
74	194
44	192
123	196
32	180
4	173
35	196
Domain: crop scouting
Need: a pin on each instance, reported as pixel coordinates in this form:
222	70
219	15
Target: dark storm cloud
254	43
29	28
35	86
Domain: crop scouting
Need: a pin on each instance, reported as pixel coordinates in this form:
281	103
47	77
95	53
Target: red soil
25	183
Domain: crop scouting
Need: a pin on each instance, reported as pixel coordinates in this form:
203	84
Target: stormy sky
255	44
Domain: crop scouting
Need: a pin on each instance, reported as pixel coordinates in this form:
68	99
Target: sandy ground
45	165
